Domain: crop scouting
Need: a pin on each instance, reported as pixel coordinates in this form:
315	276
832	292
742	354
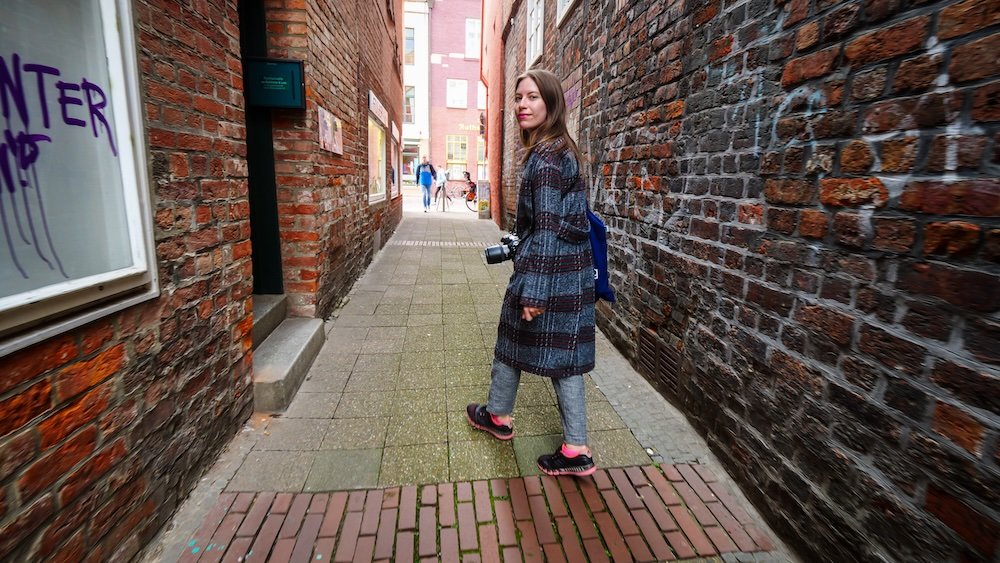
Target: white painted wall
416	15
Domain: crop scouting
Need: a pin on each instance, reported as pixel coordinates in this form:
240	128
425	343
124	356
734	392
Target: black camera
503	251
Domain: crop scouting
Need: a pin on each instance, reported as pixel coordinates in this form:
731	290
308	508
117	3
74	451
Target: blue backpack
599	248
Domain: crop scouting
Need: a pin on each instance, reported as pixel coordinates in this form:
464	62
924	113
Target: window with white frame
409	96
77	238
536	27
562	8
408	46
481	96
457	155
458	93
472	30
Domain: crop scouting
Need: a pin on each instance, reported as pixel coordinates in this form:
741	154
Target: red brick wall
107	428
326	222
803	206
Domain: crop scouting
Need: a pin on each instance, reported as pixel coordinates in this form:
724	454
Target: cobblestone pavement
380	418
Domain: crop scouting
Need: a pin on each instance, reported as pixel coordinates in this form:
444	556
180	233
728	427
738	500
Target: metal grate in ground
637	513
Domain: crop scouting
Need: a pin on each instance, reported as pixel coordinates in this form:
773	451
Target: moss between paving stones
323	382
528	448
419	308
292	434
468	357
344	469
532	392
414	465
412	360
537	420
617	448
313	405
420	400
272	471
414	428
364	405
459	430
421	378
362	381
466	375
355	434
602	416
378	362
472	460
460	397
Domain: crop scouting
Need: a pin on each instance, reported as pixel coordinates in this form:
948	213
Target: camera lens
496	254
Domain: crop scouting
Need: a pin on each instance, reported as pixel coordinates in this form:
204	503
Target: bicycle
469	195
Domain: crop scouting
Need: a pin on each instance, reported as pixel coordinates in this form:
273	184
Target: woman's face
528	105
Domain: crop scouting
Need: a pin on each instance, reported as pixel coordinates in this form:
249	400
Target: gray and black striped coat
553	270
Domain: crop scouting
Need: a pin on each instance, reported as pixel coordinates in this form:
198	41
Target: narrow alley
239	323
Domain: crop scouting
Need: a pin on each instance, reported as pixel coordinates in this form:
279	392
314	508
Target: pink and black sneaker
479	418
566	462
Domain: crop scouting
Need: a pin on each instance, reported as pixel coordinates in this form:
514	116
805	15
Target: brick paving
665	513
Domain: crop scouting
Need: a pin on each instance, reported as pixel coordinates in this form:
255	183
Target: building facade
804	213
457	98
138	176
416	86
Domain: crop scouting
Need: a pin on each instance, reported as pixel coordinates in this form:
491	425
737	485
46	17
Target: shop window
76	238
457	155
536	28
376	161
458	93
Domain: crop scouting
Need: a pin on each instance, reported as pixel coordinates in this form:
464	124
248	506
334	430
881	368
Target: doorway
264	233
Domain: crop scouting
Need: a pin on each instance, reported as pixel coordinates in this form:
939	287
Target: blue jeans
427	195
570	395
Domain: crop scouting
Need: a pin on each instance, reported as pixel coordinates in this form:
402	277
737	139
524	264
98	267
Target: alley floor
374	460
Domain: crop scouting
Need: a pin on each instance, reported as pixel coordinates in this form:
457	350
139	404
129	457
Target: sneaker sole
473	424
589	471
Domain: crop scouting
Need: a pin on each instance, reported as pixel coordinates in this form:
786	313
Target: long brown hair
554	126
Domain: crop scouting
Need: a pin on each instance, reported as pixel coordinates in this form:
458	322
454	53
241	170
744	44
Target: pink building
457	98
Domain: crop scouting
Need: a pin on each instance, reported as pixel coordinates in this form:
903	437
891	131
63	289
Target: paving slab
339	470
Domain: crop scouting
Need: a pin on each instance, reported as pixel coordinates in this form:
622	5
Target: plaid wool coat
553	270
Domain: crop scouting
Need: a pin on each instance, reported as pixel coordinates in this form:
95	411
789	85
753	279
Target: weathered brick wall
326	222
106	429
513	154
803	203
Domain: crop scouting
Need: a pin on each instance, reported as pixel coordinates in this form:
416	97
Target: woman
547	320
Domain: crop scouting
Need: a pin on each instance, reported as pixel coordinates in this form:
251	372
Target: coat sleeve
557	220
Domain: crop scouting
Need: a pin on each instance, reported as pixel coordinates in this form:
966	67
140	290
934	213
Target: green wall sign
274	83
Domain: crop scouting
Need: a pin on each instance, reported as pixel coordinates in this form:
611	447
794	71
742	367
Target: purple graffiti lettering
96	109
66	100
11	87
21	148
41	71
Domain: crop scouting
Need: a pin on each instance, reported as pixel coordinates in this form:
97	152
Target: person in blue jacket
425	177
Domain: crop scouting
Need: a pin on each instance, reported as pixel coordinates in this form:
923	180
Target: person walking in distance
547	317
425	177
442	181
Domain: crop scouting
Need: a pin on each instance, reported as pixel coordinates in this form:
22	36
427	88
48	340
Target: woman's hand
529	313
